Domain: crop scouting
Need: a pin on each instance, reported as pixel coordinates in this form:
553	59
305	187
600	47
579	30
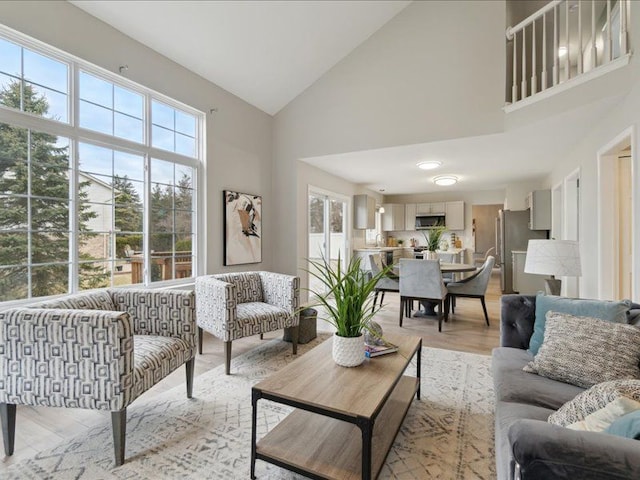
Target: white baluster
567	62
594	54
544	52
556	73
608	39
514	88
579	37
523	84
623	27
534	78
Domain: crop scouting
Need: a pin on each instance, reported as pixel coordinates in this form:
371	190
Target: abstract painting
242	228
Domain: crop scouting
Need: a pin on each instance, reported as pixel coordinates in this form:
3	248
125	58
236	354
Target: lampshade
553	257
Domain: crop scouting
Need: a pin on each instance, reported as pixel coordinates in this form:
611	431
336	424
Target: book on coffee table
377	350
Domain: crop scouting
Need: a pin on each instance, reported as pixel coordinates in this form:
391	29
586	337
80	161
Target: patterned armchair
98	350
236	305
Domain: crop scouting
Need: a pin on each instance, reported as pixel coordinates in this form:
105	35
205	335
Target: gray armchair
422	280
474	286
99	350
237	305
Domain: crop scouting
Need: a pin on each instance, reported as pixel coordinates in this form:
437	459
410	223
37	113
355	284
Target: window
105	199
371	234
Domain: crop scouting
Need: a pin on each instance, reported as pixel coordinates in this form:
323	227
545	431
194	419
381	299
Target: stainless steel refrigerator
512	233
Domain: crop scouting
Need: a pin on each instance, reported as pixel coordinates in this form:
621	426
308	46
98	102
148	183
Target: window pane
128	218
5	82
184	176
45	71
162	219
128	102
161	171
183	221
95	275
56	103
162	115
96	118
49	214
14	213
129	165
14	283
128	128
185	123
96	90
184	244
95	159
49	280
10	61
129	245
184	198
95	245
161	243
47	247
14	176
162	138
185	145
13	248
50	181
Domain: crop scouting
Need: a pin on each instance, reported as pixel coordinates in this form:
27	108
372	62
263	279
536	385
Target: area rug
448	434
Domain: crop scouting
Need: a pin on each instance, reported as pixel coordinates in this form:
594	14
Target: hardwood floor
41	428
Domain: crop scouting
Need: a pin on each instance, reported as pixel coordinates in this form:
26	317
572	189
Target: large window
97	177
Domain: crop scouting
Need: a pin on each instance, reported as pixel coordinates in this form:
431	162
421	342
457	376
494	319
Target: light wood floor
41	428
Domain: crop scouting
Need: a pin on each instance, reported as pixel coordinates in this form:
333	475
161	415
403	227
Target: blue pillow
604	310
627	426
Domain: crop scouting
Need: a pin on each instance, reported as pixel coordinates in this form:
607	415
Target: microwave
430	220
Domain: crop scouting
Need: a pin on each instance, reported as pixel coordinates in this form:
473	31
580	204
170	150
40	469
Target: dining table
429	308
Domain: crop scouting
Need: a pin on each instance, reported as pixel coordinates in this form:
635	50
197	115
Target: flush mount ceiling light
445	180
429	165
562	51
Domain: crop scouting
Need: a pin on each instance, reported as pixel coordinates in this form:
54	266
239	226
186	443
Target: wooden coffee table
345	419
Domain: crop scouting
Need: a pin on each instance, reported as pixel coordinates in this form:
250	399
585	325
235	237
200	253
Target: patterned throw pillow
594	399
584	351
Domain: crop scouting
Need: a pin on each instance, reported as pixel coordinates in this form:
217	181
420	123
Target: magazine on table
377	350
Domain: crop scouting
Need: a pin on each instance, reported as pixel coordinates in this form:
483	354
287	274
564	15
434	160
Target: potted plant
347	303
433	237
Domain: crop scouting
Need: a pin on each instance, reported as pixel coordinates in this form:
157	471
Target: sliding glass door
328	232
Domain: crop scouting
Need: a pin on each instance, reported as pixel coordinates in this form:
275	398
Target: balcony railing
564	41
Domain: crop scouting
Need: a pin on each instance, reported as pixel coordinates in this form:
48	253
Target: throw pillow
627	426
604	310
601	419
593	399
584	351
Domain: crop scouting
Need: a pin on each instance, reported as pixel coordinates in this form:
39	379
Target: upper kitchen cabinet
430	208
454	212
364	212
538	203
410	217
393	217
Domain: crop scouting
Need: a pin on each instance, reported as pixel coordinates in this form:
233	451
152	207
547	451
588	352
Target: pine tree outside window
106	199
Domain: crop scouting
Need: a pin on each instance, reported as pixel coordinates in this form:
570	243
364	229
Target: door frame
571	223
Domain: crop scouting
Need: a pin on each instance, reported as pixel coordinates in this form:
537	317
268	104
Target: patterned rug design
448	434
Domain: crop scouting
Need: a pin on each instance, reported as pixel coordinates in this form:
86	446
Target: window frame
77	135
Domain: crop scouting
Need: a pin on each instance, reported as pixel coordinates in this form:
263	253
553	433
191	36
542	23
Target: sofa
527	446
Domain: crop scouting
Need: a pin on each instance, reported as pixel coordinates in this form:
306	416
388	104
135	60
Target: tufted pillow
601	419
584	351
627	426
593	399
604	310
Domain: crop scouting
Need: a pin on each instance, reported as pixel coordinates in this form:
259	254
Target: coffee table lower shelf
323	447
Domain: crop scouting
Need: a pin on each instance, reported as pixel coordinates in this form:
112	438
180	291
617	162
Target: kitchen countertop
378	249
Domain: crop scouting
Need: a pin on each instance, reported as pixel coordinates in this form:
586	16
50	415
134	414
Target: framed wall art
242	228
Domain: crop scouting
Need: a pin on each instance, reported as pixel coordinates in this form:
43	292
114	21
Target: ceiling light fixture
562	51
445	180
429	165
381	209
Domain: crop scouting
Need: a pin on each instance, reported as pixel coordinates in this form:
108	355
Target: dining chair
388	283
474	286
446	257
422	280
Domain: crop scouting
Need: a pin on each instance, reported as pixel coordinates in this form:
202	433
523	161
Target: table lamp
555	258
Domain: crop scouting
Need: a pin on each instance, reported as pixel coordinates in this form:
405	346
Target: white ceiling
265	52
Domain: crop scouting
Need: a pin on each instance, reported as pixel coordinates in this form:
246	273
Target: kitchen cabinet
430	208
538	203
393	217
454	212
410	217
364	212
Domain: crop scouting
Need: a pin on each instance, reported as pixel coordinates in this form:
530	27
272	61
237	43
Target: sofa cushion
512	384
604	310
97	300
599	420
584	351
593	399
627	426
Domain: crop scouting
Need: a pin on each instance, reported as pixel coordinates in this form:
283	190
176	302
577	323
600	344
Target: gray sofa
527	447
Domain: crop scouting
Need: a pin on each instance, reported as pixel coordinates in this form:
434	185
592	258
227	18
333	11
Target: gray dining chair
422	280
474	286
446	257
388	283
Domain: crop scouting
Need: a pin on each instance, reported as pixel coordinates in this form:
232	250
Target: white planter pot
430	255
348	351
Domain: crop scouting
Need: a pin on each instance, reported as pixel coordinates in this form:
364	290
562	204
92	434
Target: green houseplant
347	302
433	237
